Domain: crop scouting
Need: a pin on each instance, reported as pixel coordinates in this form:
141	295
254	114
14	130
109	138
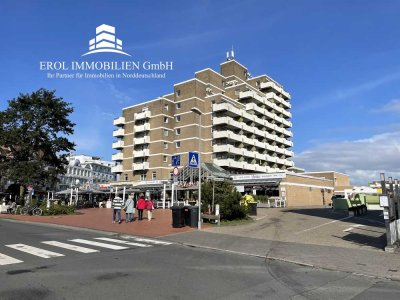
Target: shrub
56	209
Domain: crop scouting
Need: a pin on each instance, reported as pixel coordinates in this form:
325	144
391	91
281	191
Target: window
165	159
143	177
178	105
166	107
178	144
165	145
165	119
153	175
165	132
178	131
126	177
178	93
178	118
258	83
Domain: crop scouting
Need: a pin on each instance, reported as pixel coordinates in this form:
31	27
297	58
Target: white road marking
156	242
8	260
70	247
35	251
124	242
103	245
145	240
315	227
353	227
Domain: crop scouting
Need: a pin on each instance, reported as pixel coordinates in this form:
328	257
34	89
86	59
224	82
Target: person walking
141	205
117	204
129	209
149	207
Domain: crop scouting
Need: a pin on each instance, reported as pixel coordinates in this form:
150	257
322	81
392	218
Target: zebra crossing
85	246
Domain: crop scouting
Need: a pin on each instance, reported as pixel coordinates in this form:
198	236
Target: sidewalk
101	219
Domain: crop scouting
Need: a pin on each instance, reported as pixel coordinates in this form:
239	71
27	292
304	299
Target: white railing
142	115
117	156
119	132
144	127
140	166
119	121
142	140
117	169
118	145
141	153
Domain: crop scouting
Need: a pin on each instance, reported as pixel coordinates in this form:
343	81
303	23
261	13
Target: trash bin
186	215
178	219
253	208
194	216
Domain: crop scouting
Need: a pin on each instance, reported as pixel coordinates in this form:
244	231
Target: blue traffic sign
176	160
194	159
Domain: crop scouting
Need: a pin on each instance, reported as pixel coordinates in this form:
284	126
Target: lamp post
77	191
199	113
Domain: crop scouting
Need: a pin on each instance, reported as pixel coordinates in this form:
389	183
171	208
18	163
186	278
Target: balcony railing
144	127
142	140
118	145
140	166
117	169
142	115
119	121
117	156
119	132
141	153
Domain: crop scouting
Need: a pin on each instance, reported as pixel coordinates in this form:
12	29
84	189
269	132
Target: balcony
142	140
141	153
228	148
140	128
118	145
228	162
140	166
117	157
274	86
142	115
119	132
119	121
117	169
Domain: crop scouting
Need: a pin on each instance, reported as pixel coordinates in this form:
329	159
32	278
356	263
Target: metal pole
386	212
164	195
199	162
48	200
213	196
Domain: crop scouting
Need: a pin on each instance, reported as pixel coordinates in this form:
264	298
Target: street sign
176	160
194	159
175	171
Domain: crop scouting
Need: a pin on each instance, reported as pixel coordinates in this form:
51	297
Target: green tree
226	195
33	138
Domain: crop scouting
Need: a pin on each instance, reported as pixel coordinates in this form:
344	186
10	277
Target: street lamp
199	113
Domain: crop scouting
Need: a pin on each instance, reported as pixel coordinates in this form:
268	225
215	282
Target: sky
339	60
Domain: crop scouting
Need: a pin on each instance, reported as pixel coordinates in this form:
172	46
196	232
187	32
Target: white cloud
392	106
362	159
343	94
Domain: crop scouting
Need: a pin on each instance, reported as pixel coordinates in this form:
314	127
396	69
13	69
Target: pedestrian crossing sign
194	159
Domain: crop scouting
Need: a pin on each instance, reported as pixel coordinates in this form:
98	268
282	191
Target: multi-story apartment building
243	123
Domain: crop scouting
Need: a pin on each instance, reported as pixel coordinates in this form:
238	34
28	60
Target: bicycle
32	210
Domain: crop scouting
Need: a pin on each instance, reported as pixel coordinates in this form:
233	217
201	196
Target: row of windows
177	106
177	119
177	132
177	145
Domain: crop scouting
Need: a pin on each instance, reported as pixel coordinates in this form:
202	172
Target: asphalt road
157	271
